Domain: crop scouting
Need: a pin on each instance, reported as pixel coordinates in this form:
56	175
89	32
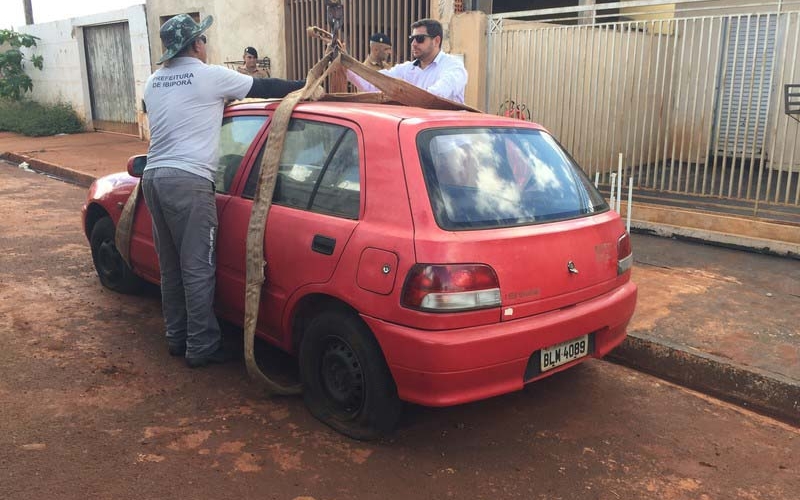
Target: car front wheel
113	271
346	383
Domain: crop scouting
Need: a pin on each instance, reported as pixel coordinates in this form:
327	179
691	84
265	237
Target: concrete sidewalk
719	320
78	158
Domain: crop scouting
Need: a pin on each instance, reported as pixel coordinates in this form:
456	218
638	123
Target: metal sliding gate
392	17
691	95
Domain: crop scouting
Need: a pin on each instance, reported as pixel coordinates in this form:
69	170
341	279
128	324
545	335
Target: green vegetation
21	115
35	119
13	80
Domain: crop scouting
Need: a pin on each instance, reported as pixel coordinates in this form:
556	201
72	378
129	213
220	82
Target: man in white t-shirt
433	70
185	100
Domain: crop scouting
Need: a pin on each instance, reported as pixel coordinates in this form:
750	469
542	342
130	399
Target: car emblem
571	267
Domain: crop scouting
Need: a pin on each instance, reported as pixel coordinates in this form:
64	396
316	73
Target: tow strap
122	238
262	202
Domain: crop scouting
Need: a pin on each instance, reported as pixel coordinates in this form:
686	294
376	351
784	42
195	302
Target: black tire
346	383
114	273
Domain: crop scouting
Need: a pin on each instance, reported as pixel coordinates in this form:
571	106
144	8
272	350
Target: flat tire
346	382
113	271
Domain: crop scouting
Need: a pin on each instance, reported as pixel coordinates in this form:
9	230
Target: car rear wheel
346	383
113	271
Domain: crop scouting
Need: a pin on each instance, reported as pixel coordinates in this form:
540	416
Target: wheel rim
342	377
109	261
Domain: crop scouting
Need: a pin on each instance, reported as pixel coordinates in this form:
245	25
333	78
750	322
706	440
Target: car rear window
481	178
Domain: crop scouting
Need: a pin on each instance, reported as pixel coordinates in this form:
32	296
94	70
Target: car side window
338	192
319	170
234	140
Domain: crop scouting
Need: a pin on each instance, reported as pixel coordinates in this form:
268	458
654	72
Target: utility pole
28	11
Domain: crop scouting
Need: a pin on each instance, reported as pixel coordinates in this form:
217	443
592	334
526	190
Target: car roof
357	111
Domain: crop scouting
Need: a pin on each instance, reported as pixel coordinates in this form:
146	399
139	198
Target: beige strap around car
393	91
262	202
122	238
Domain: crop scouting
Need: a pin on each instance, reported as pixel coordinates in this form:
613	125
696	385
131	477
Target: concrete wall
465	35
64	78
237	24
468	37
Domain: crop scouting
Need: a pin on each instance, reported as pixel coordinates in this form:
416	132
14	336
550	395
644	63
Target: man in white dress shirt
433	70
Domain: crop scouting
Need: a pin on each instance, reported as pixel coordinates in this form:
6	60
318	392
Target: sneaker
217	357
177	349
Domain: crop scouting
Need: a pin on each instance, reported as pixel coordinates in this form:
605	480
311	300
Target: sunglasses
203	38
419	38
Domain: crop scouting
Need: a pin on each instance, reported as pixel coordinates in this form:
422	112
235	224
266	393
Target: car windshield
481	178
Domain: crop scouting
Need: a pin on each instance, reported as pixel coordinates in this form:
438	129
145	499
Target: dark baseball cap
380	38
252	51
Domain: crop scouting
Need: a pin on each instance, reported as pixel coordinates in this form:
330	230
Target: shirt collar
183	61
436	59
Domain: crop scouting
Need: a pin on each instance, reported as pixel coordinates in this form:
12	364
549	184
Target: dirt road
92	406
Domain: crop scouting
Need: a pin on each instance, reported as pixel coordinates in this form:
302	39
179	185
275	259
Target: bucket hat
178	31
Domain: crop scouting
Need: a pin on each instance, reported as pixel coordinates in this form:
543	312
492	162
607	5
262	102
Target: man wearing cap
185	99
433	70
251	64
380	51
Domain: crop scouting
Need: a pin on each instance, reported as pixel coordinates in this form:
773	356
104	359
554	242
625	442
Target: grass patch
34	119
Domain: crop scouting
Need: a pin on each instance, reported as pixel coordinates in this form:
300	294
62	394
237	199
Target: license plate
564	352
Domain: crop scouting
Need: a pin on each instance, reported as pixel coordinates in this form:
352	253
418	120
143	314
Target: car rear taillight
448	288
624	253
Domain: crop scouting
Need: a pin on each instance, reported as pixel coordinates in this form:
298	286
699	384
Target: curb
708	237
771	394
41	166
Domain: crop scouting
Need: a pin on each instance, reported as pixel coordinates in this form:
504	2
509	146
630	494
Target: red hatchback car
435	257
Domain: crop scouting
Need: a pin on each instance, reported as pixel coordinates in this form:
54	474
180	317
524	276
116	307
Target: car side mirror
136	165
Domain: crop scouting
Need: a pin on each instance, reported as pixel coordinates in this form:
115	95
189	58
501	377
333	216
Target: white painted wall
237	24
64	78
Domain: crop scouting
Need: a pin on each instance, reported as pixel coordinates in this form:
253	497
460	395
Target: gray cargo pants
184	212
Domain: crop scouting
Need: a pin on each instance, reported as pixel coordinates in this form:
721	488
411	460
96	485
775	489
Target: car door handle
323	244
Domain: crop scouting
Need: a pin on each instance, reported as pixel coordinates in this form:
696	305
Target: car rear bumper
443	368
